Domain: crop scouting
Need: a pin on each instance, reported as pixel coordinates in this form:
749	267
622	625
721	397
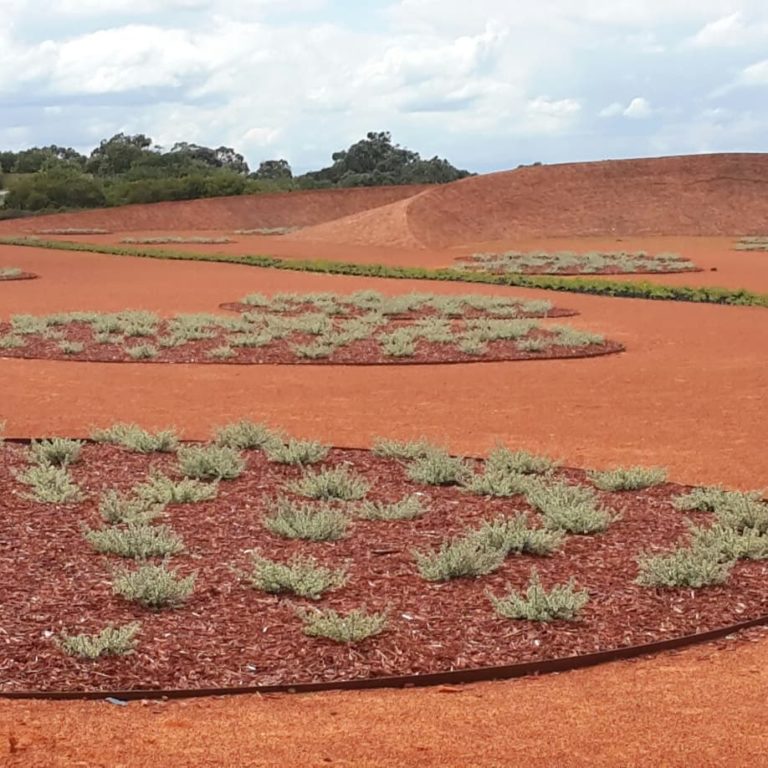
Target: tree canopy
132	169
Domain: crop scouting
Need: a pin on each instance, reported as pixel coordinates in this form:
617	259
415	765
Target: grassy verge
595	286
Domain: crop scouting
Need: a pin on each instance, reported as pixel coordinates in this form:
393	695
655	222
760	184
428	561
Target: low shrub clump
111	641
745	544
313	522
210	462
461	557
403	450
504	460
569	508
244	435
512	535
354	627
628	478
136	540
408	508
115	509
437	467
161	489
692	567
154	586
331	484
296	452
712	498
50	484
300	576
134	438
562	603
55	451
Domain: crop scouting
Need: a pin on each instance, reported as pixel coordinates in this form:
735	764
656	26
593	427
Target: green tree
117	155
273	169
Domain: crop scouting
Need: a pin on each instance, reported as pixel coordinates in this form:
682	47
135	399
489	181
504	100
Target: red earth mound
285	209
690	195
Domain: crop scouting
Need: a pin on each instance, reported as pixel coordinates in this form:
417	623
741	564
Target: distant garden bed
256	559
365	328
14	273
572	263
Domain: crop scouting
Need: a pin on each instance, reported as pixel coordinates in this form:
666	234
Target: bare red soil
706	372
231	635
720	264
285	209
692	195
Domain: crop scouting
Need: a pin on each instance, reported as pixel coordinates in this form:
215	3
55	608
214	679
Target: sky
489	84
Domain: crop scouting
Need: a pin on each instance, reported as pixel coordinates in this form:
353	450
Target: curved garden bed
572	263
230	631
312	328
13	273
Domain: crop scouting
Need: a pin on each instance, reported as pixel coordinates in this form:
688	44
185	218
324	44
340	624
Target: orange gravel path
690	393
722	265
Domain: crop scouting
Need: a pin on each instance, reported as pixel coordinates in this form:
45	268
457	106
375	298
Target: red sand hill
693	195
283	209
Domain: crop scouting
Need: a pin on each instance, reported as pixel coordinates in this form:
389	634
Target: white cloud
612	110
639	108
551	116
755	74
486	79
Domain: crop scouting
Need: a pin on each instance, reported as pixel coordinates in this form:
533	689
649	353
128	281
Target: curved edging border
609	348
452	677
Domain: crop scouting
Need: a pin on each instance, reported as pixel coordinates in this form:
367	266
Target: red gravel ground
231	635
689	394
720	264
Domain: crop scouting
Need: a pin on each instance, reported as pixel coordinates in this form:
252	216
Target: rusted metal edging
453	677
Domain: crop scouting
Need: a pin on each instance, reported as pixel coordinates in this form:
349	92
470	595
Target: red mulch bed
468	313
471	266
20	276
230	635
279	352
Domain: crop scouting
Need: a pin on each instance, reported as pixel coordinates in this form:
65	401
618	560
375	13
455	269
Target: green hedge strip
595	286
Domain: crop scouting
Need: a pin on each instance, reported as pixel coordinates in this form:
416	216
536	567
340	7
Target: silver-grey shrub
353	627
50	485
116	508
330	484
300	576
692	567
628	478
296	452
561	603
437	467
408	508
312	522
161	489
153	586
460	557
210	462
244	435
55	451
570	508
136	439
136	540
111	641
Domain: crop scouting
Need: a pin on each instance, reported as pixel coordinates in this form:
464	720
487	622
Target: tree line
131	169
